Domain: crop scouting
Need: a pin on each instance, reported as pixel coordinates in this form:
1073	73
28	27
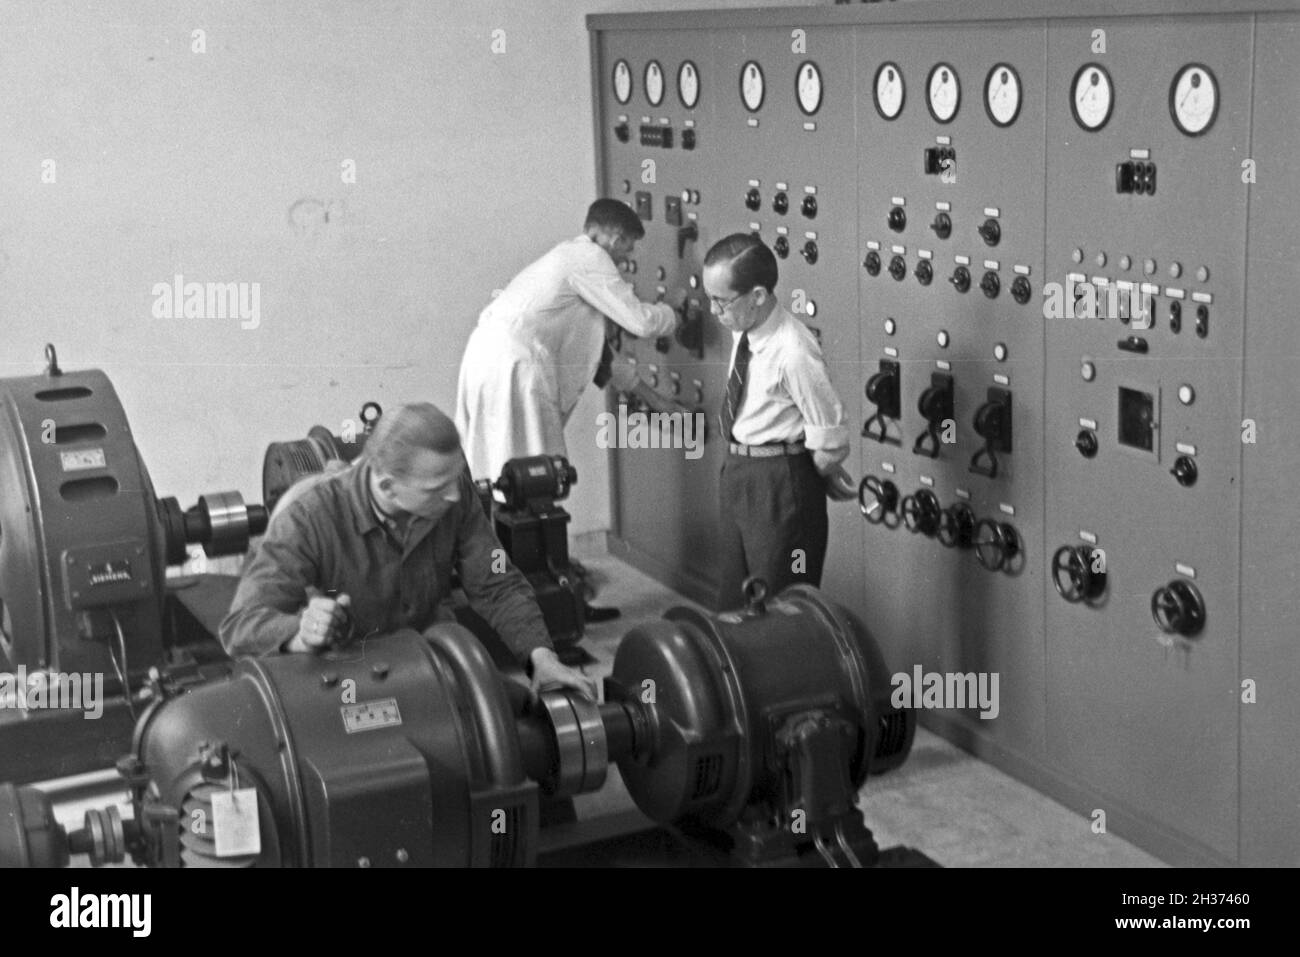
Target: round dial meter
1002	94
688	85
889	91
654	83
622	81
943	91
1194	99
752	89
1092	97
808	87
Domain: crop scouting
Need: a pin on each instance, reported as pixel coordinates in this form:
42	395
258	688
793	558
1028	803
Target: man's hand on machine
323	622
549	673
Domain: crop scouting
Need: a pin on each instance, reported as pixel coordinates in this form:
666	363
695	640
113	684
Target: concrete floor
957	809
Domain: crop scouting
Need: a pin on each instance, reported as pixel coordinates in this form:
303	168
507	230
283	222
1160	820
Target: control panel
1051	286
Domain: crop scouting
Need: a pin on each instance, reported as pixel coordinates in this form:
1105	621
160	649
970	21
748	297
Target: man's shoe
594	614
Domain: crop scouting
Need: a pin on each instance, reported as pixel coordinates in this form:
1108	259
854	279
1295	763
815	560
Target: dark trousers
774	524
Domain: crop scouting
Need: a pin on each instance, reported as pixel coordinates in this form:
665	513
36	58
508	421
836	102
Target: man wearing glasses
370	549
783	423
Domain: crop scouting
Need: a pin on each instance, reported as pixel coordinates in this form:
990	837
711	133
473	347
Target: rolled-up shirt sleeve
495	588
273	588
606	290
811	390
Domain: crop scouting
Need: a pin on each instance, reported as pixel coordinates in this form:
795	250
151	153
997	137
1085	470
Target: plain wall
225	166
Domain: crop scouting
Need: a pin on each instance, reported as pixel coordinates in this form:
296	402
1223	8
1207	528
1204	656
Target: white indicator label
1088	537
234	823
1008	509
1185	570
82	459
927	481
887	467
369	715
1000	379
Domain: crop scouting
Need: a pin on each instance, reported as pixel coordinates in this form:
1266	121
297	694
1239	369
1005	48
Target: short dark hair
615	216
402	432
752	263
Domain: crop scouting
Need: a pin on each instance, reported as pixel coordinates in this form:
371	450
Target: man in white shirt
538	344
784	425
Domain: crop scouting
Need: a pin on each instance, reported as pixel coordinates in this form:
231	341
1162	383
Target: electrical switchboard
1049	252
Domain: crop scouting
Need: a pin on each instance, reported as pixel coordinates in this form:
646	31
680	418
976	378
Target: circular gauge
654	83
1091	96
751	86
943	92
1194	99
808	87
622	81
688	85
890	91
1002	94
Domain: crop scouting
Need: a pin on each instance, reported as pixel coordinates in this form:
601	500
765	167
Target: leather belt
767	451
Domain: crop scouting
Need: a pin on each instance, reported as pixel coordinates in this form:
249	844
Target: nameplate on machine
371	715
82	459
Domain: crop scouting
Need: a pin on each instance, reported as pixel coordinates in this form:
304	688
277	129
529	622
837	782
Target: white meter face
1002	94
752	88
654	83
688	85
944	90
1092	97
890	91
1194	99
622	81
808	87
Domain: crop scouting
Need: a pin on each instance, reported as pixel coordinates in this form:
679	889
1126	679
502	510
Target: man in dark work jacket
376	542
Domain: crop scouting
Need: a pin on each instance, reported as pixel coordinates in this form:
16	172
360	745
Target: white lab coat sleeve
604	289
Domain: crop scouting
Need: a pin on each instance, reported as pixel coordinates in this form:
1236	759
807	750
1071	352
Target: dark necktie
736	386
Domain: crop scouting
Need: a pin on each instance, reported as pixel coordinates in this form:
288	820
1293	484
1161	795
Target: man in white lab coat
538	344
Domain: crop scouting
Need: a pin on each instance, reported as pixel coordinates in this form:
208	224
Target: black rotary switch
942	225
1079	573
921	512
877	499
622	132
809	206
781	247
753	200
898	268
936	405
1175	317
897	219
924	272
780	203
991	285
1202	320
1185	471
960	278
871	263
1086	443
1020	290
995	542
884	393
991	232
1178	609
957	526
993	425
809	252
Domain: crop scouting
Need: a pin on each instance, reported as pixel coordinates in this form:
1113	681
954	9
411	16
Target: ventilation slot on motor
83	490
504	851
708	775
68	434
62	395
